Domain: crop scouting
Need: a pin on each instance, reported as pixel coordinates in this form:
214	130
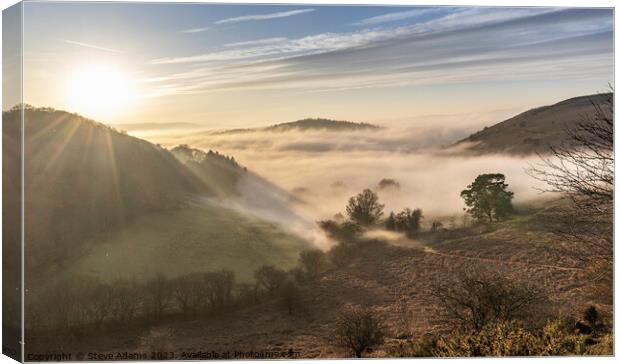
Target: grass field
199	238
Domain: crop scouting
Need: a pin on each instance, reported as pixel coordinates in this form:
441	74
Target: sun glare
100	91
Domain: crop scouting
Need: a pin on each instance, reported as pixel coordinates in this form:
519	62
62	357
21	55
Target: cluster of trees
407	221
220	173
364	210
487	199
86	302
185	153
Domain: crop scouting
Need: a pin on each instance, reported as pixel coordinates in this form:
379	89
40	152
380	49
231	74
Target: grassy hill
534	130
199	238
83	178
90	187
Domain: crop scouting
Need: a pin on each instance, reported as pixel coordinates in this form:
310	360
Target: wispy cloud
196	30
520	44
281	14
401	15
92	46
257	42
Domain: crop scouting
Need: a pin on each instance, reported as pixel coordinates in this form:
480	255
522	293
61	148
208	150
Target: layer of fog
324	169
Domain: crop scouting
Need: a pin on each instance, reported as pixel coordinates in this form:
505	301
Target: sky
228	66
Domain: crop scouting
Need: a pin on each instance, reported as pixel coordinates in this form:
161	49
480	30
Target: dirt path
430	250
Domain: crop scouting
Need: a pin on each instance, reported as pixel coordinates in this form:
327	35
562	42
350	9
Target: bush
290	295
346	232
340	255
358	330
270	279
312	263
423	347
476	299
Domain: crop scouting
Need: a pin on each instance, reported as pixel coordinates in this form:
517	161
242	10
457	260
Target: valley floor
393	280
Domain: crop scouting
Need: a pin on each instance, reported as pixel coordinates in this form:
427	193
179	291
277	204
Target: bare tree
188	291
219	287
476	298
158	294
582	168
357	330
126	300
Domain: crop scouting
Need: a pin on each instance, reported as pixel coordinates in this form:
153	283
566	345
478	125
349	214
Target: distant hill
308	124
157	126
534	130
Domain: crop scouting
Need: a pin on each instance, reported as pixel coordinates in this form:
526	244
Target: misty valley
315	238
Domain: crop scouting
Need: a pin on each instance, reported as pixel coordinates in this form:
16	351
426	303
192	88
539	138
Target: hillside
83	178
221	173
308	124
392	278
534	130
238	188
86	182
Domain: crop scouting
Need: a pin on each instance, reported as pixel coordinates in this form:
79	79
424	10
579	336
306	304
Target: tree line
89	304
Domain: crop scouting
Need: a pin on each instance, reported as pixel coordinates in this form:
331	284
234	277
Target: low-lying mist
324	169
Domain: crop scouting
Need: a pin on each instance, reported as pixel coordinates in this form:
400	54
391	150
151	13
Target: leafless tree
582	168
475	298
357	330
158	294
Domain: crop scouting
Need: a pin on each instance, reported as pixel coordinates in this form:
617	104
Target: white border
566	3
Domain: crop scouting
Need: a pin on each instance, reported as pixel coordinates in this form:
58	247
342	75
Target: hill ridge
534	130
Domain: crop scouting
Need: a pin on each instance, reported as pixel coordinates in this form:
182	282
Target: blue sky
236	65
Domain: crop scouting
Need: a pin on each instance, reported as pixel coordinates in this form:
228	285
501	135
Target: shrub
312	263
424	347
357	330
270	278
498	339
340	255
476	299
290	295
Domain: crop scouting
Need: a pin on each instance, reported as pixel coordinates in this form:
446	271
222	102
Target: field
199	238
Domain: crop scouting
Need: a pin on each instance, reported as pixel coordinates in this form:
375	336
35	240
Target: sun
100	90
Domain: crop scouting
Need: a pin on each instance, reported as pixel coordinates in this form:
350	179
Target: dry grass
394	281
